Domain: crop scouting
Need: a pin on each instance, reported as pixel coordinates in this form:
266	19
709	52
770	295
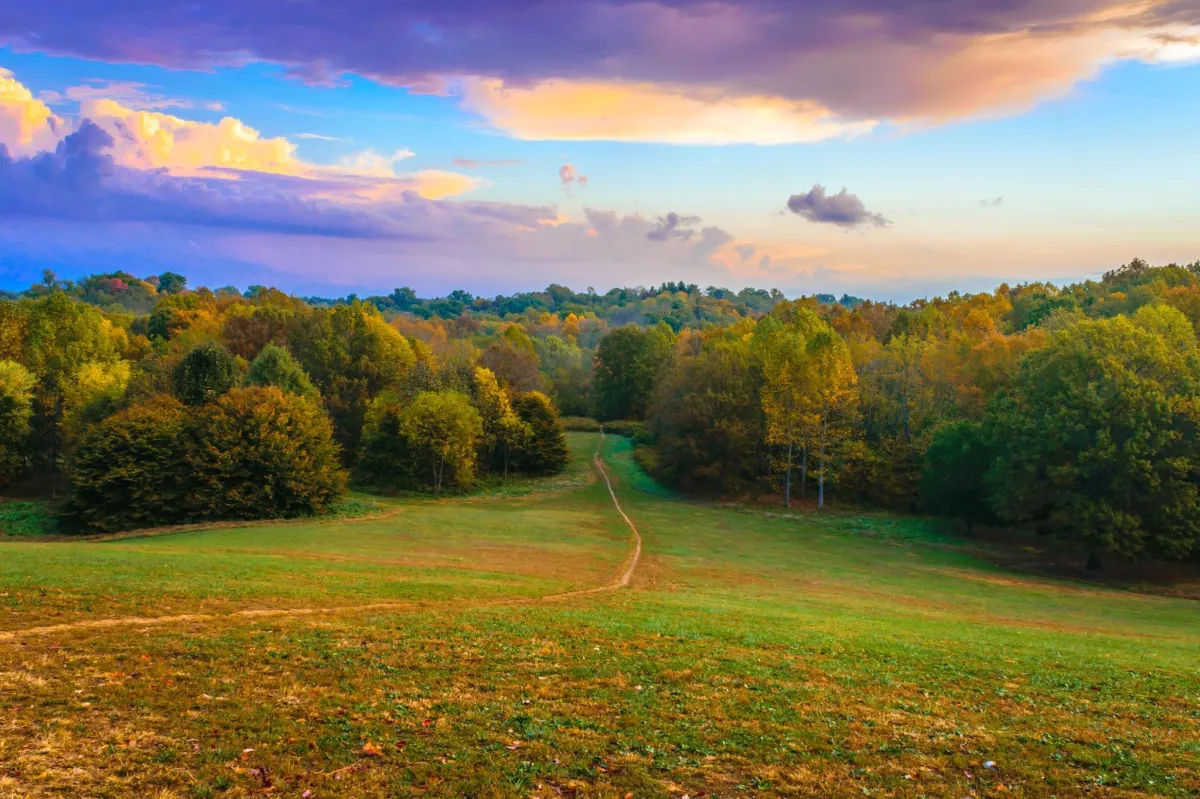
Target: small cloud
369	162
471	163
992	202
316	137
568	174
842	209
673	226
745	251
214	106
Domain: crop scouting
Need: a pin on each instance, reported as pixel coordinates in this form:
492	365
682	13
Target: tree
956	464
503	430
517	367
788	385
829	400
96	391
130	471
61	335
172	283
543	450
628	361
1100	434
259	453
443	430
707	420
205	373
16	411
387	459
275	366
351	355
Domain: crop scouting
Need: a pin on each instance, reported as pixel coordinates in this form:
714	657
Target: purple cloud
861	58
673	226
842	209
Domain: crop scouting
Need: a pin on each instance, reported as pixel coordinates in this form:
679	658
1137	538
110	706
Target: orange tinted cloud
26	123
145	139
643	112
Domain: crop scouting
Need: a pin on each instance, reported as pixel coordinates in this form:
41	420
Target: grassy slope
834	656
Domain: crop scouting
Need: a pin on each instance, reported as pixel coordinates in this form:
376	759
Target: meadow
440	647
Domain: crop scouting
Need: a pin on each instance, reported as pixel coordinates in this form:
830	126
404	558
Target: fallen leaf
371	750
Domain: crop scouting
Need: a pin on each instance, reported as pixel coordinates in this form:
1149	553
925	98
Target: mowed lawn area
764	654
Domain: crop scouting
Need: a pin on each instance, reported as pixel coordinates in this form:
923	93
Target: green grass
756	653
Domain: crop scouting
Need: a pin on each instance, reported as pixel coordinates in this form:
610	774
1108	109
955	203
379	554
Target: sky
889	150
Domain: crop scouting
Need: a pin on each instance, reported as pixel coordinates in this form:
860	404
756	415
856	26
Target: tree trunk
804	471
787	483
821	476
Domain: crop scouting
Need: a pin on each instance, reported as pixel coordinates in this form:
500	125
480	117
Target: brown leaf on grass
371	750
263	775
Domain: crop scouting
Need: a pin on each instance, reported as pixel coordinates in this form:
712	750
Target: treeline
218	406
1073	412
1065	410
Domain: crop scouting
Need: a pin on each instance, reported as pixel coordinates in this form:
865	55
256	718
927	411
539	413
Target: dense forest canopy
1068	410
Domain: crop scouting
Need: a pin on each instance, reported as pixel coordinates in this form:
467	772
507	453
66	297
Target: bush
580	424
259	453
544	450
129	470
629	428
26	518
275	366
206	373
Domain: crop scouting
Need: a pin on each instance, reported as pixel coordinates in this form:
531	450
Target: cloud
569	175
315	137
471	163
992	202
786	71
369	162
130	94
228	149
673	226
27	124
842	209
617	111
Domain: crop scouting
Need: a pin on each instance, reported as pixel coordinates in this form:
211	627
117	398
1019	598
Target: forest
1067	412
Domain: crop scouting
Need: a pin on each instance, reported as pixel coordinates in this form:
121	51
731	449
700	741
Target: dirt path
146	621
627	575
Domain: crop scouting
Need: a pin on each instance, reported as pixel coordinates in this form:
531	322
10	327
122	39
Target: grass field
753	654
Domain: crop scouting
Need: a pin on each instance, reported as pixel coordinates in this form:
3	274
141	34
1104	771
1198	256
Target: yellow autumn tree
828	399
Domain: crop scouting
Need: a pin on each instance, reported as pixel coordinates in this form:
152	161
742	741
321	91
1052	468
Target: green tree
387	460
956	464
61	335
351	355
205	373
1099	444
129	470
172	283
543	448
443	431
275	366
628	362
259	453
707	420
16	410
